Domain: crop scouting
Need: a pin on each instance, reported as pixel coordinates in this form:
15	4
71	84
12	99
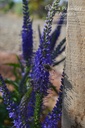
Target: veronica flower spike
53	118
21	114
27	38
48	22
39	75
10	105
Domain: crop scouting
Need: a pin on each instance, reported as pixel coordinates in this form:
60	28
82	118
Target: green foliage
5	122
38	8
6	5
20	85
17	9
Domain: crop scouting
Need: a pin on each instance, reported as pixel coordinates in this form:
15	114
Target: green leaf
20	63
9	81
59	49
17	65
39	32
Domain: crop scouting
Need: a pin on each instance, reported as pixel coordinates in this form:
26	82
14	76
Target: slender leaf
9	81
17	65
59	49
58	62
39	32
56	33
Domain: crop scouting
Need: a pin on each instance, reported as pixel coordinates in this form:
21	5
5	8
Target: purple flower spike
39	75
53	118
27	38
10	105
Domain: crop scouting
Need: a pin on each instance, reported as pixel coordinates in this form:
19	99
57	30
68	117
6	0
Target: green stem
37	110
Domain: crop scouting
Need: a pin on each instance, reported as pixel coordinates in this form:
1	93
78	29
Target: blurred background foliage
6	5
37	7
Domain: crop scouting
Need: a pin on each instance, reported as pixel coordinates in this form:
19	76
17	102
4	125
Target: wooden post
74	81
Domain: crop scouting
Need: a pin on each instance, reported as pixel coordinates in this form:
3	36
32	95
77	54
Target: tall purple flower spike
27	38
39	75
10	105
21	114
53	118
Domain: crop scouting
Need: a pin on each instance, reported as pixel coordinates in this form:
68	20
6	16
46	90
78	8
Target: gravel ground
10	28
10	32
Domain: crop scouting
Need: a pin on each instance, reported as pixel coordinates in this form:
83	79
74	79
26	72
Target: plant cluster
34	82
